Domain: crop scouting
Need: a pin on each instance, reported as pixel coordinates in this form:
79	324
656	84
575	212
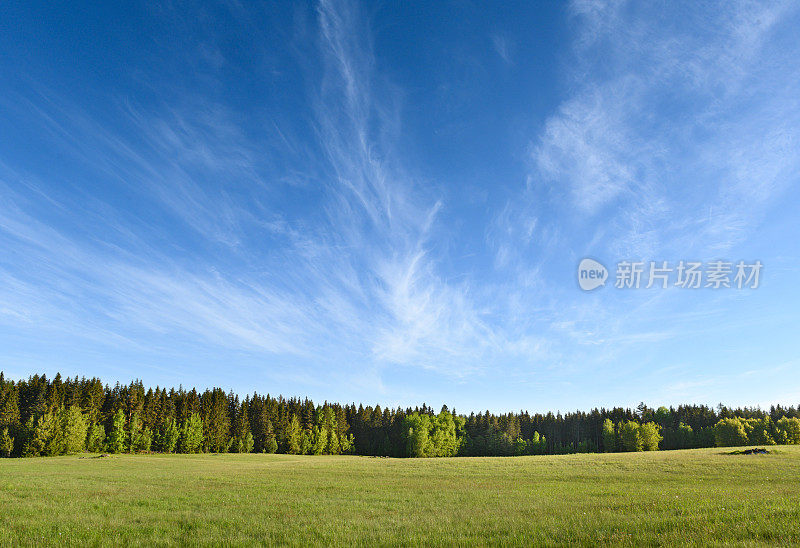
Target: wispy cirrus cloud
248	191
673	141
658	104
349	276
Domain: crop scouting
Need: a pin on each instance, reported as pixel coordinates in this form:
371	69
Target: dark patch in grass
754	451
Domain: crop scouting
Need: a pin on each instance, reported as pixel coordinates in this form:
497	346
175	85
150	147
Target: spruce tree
169	437
609	439
47	436
191	438
75	427
248	443
6	443
243	440
96	438
307	443
270	443
134	433
28	430
9	407
116	441
320	440
293	436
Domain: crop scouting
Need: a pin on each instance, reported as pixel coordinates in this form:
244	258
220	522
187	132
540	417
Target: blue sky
387	203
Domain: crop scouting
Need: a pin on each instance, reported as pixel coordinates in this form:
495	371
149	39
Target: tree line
41	417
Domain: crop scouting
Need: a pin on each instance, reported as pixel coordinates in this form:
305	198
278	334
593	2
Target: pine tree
134	433
47	417
216	420
92	400
320	440
74	427
293	435
116	441
169	437
271	443
96	438
684	436
247	445
9	407
27	430
306	443
243	440
332	446
140	437
191	438
6	443
47	436
145	440
609	439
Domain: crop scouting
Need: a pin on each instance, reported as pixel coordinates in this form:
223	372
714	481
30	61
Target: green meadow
699	497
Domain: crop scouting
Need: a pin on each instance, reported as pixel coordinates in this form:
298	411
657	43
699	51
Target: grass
699	497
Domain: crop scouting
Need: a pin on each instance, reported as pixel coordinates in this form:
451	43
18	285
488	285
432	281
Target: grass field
673	497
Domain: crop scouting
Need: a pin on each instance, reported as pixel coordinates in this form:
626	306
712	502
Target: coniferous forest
41	417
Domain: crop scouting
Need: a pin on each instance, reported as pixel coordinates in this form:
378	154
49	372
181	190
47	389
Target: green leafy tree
117	438
438	436
759	431
609	438
788	430
730	432
347	443
630	437
417	434
650	436
537	444
40	416
445	437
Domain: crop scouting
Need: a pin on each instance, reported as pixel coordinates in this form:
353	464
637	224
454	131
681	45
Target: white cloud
663	118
